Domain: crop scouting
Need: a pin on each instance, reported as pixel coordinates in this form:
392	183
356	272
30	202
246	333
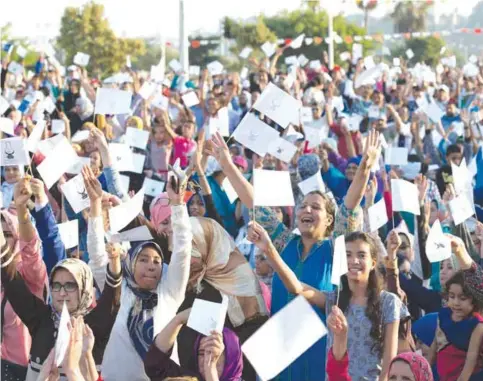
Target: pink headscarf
160	209
418	364
12	222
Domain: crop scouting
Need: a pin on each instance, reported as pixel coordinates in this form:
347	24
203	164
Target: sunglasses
68	286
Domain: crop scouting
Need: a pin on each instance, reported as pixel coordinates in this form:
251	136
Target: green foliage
31	57
425	50
87	30
153	55
410	17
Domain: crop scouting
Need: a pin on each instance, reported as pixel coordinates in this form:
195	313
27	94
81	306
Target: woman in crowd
310	253
71	284
151	296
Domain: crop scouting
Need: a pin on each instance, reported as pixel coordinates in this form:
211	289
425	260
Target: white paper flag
122	156
6	126
80	136
438	246
175	65
255	134
125	180
141	233
272	188
75	192
297	43
21	51
404	196
58	162
81	59
78	165
36	135
190	99
377	215
409	54
207	316
277	105
123	214
229	190
160	102
461	208
283	338
396	156
194	71
63	336
245	53
282	149
14	152
313	183
4	105
215	68
112	101
147	89
58	126
69	233
269	48
339	260
137	138
153	187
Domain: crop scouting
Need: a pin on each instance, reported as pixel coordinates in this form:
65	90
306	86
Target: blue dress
315	271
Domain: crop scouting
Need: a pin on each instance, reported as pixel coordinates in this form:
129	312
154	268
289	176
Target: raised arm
260	238
179	266
52	245
358	186
95	228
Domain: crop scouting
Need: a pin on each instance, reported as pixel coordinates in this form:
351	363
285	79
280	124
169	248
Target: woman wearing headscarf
71	284
151	296
405	366
218	356
310	254
217	267
23	251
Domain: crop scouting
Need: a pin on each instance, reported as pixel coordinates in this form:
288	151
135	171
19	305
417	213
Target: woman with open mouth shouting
308	256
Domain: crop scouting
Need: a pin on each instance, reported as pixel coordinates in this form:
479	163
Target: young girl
159	151
373	314
456	346
184	144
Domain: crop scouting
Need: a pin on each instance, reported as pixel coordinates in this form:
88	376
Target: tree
153	55
248	33
87	30
427	50
6	37
366	6
410	16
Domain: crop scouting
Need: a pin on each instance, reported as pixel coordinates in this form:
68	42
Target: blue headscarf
197	193
355	160
424	328
140	319
308	165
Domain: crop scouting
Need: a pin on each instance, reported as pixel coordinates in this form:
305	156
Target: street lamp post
183	39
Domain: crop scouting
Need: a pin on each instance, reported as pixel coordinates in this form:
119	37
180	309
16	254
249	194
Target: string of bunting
378	37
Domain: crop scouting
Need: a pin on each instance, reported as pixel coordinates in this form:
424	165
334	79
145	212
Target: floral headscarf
160	209
226	269
84	279
308	165
418	364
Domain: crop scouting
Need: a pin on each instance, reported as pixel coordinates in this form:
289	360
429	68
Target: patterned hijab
418	364
160	209
308	165
226	269
85	283
140	319
233	368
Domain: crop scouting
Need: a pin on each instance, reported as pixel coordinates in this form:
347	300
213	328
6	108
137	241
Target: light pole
183	39
331	38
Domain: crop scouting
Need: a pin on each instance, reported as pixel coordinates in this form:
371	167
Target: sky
142	18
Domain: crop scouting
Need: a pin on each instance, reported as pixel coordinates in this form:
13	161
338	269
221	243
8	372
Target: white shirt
121	361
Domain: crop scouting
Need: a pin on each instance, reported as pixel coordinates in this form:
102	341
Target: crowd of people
396	314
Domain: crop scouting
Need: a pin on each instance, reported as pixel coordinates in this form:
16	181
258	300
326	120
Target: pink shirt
181	148
16	340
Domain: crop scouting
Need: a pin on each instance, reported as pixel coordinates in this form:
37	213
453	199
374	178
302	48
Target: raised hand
259	236
337	322
38	190
371	192
213	347
22	192
176	196
372	149
93	186
219	150
393	243
422	183
98	138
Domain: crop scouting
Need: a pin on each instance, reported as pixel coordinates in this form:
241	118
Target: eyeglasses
68	286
